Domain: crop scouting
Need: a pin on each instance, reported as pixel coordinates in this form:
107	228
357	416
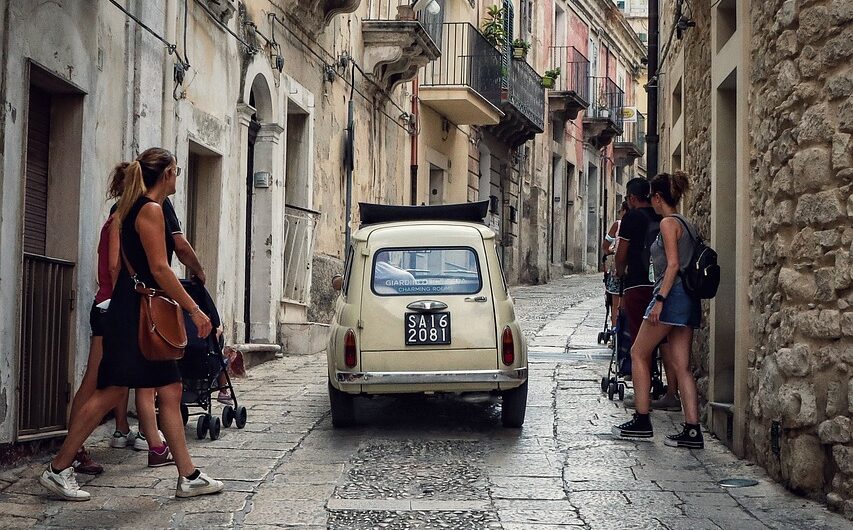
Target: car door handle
476	299
427	306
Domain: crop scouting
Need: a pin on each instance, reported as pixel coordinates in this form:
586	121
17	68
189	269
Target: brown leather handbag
162	334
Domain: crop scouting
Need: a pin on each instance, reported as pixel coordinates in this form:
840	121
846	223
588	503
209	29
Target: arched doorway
261	149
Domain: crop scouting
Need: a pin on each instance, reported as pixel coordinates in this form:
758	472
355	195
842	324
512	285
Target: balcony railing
607	101
388	10
634	133
574	71
467	59
526	93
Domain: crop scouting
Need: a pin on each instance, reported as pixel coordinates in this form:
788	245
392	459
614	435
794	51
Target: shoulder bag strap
138	285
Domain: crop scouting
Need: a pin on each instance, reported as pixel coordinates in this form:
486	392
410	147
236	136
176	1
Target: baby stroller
201	368
606	333
620	364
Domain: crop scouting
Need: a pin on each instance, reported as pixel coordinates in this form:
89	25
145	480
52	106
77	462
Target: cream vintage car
424	308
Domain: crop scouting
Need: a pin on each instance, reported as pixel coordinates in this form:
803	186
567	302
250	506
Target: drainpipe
652	137
167	136
413	178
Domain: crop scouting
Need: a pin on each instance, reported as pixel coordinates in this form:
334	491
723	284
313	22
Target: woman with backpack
672	314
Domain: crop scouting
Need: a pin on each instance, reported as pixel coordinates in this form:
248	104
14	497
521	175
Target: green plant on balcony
493	27
520	48
550	77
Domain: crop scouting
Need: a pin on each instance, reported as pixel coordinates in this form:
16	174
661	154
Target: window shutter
35	194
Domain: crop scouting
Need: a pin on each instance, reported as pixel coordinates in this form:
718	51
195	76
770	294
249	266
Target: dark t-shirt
172	223
633	230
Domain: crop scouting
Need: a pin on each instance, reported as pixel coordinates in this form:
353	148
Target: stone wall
801	120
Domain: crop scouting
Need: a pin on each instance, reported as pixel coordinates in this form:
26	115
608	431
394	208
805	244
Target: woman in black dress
148	247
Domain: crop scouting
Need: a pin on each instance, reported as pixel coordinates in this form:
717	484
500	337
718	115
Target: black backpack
701	278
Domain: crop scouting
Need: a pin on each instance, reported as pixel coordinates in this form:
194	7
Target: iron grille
467	59
607	100
574	71
45	353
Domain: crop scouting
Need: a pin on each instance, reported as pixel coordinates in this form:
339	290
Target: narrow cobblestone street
434	462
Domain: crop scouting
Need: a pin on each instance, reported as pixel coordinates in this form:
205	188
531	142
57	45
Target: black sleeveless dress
123	363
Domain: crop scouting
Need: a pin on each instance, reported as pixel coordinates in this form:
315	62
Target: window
620	4
644	37
415	271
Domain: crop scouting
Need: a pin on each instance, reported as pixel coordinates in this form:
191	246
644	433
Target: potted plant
519	48
550	77
493	27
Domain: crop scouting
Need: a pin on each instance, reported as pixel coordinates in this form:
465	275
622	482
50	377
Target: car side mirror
337	282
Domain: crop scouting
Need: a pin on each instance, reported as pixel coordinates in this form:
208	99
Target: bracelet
194	311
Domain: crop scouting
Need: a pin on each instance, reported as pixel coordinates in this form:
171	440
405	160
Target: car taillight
350	353
508	347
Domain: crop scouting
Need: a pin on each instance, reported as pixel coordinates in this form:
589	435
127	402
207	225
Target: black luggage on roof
472	212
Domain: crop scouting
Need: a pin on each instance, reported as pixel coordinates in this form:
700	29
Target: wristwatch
660	298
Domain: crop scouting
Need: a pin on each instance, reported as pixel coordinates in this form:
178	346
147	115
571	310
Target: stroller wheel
185	414
602	338
215	426
611	390
202	426
621	392
240	417
604	383
227	415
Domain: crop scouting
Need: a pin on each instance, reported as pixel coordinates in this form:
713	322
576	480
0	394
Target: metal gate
45	321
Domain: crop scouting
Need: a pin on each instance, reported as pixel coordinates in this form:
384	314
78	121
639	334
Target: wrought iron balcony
603	119
399	41
631	144
570	93
522	101
465	81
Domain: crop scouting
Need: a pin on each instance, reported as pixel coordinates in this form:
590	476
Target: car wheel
343	407
514	406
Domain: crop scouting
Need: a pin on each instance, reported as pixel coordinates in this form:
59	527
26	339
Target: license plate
427	328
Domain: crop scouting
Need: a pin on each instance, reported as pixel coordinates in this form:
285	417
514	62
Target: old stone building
252	97
756	105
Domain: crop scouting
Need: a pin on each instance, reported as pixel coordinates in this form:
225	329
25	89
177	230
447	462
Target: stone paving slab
434	462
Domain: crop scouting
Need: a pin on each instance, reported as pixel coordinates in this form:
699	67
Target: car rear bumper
351	379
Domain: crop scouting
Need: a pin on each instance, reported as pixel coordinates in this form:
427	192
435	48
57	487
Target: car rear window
415	271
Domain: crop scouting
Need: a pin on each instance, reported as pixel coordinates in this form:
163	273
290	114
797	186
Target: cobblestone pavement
434	462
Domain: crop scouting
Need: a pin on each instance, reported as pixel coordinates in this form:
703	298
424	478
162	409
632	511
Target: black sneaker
640	426
690	438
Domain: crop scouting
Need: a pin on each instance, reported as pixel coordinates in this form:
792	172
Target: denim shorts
678	309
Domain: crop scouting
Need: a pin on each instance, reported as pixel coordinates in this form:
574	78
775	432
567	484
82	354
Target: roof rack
472	212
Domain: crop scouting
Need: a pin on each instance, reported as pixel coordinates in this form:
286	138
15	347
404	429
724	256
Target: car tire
343	408
513	406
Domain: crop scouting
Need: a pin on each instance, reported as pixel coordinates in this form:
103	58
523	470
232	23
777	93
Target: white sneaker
140	443
119	439
202	485
63	484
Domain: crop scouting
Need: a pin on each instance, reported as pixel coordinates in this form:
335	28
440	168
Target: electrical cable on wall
251	50
332	61
173	48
